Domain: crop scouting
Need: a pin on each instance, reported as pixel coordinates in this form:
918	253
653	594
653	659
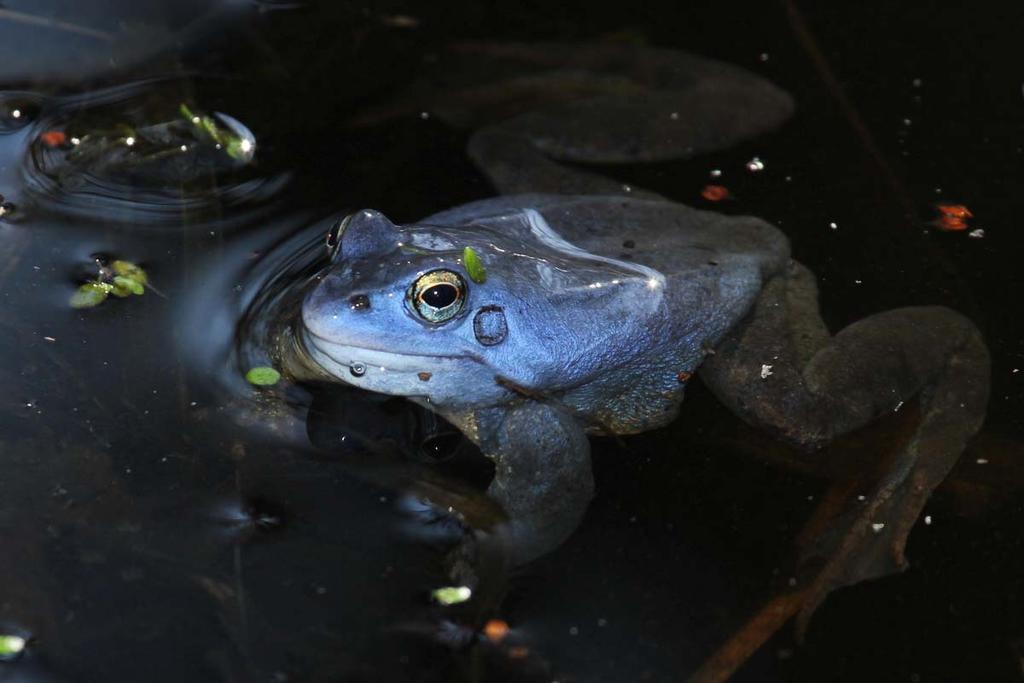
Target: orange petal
53	138
496	630
954	210
715	193
949	223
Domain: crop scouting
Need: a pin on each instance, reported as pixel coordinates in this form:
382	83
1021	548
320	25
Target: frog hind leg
619	104
782	371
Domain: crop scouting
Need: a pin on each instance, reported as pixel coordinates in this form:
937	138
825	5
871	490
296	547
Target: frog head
400	311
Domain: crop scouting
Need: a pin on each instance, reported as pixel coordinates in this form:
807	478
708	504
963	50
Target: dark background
130	517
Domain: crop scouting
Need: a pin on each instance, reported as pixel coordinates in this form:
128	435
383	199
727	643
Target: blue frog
572	305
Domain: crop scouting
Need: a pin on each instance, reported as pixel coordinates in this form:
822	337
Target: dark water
161	520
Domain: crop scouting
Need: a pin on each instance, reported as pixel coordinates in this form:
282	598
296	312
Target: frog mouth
357	359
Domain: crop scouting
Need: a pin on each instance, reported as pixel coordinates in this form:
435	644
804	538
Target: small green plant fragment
90	294
125	286
122	279
451	595
262	376
238	147
11	646
131	271
474	266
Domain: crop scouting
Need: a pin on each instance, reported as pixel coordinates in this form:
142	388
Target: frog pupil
440	296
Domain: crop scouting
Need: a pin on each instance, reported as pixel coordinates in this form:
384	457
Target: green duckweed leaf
90	294
238	148
126	286
474	266
11	646
262	376
131	271
451	595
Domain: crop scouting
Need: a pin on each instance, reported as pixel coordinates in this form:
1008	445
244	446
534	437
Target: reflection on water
142	153
162	519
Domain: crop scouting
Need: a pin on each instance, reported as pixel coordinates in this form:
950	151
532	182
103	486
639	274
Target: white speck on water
76	141
627	188
861	498
938	190
928	519
16	113
858	282
833	226
1015	371
602	622
788	179
574	630
129	141
766	371
877	527
716	173
184	148
916	82
977	233
763	56
755	165
791	581
907	122
195	120
424	115
674	116
982	461
898	406
49	339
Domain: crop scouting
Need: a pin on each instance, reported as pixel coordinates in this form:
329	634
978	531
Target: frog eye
334	236
437	296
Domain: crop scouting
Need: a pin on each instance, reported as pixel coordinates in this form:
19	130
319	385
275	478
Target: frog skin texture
599	302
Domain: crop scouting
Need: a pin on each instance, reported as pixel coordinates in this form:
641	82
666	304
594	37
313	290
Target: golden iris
438	296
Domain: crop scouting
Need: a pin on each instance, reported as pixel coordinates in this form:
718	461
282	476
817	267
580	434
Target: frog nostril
359	302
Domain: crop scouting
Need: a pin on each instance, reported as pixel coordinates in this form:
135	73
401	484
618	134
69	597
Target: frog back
713	268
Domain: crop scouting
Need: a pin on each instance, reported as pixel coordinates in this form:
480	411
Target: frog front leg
781	370
542	477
